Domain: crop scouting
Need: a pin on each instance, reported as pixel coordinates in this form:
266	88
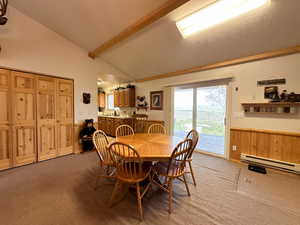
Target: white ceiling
160	48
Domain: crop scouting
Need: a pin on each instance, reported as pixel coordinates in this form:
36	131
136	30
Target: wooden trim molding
261	56
276	132
153	16
36	73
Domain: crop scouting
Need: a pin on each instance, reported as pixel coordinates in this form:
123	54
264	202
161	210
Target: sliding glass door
211	114
203	109
183	112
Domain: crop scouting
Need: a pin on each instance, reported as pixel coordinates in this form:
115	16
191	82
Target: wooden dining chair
194	136
124	130
157	129
174	169
101	143
130	170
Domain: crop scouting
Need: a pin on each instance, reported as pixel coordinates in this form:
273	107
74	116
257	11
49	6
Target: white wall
28	45
245	77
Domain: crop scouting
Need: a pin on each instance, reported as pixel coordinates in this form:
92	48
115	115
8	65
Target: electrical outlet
233	147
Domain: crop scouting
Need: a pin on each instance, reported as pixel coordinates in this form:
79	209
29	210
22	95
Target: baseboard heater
291	167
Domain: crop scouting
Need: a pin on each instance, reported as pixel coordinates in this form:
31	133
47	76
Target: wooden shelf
272	108
272	113
273	103
142	107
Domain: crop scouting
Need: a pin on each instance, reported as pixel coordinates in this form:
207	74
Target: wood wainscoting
277	145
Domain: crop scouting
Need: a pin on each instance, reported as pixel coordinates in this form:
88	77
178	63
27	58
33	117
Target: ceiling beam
155	15
261	56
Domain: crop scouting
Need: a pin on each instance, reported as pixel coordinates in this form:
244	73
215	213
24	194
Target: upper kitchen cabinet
116	98
124	97
101	99
129	97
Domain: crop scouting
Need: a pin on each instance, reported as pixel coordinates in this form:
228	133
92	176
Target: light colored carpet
60	192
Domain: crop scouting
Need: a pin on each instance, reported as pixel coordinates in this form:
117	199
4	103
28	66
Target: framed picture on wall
86	98
156	100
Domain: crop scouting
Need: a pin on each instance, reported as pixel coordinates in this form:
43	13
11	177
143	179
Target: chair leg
191	169
170	185
186	185
114	193
139	200
108	170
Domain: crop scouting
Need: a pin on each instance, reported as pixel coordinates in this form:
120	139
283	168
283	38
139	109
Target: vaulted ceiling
160	48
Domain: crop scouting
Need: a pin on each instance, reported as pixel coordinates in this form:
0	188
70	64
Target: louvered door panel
64	113
46	118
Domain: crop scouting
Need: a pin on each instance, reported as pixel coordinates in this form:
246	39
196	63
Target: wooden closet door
65	117
46	119
24	118
5	118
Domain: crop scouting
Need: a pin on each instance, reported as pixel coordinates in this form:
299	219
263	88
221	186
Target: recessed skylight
216	13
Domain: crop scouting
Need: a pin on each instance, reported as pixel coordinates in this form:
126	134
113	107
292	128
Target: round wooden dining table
151	147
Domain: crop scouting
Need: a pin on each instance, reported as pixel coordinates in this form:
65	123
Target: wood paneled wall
278	145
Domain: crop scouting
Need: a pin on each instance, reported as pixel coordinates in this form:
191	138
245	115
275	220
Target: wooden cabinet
36	118
64	113
129	96
5	119
46	119
124	97
116	98
24	118
110	124
101	99
142	125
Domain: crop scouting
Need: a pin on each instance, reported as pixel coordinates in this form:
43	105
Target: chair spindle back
178	158
124	130
127	160
101	142
194	136
157	129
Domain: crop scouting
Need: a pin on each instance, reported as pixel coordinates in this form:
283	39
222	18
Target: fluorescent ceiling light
216	13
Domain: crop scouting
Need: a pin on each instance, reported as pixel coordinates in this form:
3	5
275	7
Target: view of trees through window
209	116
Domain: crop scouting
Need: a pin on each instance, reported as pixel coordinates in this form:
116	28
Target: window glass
110	101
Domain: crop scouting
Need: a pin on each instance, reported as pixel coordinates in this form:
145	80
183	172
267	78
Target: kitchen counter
109	124
116	117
